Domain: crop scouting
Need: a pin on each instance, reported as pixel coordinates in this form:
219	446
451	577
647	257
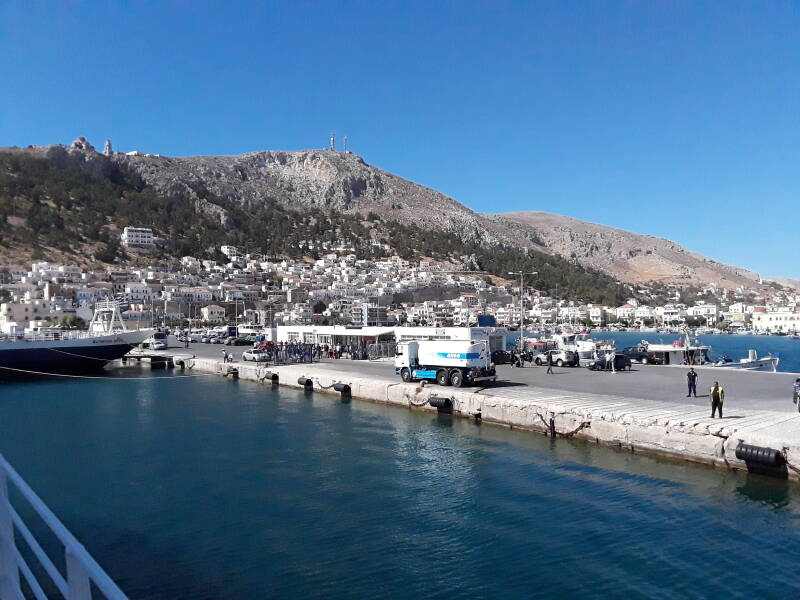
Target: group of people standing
716	393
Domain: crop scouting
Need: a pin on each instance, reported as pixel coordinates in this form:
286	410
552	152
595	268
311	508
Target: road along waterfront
214	488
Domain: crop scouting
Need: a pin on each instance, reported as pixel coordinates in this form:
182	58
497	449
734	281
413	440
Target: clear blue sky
677	119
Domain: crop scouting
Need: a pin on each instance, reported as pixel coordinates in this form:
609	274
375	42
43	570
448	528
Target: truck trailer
448	362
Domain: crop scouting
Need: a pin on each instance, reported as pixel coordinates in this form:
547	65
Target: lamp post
521	310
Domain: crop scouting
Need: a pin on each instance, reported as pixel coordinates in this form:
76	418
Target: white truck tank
453	361
453	353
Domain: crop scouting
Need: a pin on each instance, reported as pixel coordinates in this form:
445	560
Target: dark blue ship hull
61	358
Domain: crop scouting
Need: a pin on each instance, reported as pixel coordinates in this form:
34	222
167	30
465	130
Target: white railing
50	336
82	570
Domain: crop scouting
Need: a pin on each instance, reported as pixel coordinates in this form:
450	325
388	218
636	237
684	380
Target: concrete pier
672	429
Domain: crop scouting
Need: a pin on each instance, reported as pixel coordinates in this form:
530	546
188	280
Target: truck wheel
405	375
559	363
457	378
442	378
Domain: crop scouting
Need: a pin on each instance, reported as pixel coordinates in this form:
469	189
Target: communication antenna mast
333	141
345	144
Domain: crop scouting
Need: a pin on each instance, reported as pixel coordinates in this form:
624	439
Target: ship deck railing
55	336
82	571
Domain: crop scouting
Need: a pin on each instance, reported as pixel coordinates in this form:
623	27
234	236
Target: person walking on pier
717	398
549	363
691	379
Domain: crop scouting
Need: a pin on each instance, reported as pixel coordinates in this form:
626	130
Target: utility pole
521	308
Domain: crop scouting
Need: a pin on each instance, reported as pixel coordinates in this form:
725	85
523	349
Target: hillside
624	255
274	202
70	203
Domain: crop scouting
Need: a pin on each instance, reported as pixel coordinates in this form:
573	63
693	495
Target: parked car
218	340
254	355
501	357
621	362
158	341
640	355
560	358
237	341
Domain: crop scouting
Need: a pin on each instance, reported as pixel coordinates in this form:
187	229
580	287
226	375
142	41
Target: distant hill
71	202
624	255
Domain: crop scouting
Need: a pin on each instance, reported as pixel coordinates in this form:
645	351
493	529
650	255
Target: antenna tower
345	144
333	141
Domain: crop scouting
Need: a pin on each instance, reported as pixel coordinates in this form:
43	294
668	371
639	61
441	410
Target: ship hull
66	356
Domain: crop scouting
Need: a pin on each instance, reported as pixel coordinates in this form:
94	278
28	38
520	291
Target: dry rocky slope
314	180
627	256
324	180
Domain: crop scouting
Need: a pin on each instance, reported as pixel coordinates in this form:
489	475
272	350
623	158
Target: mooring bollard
343	389
306	383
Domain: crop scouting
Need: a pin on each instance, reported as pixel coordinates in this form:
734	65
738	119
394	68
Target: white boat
686	352
751	363
588	349
679	352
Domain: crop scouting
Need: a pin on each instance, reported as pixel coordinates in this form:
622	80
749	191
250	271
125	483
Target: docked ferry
56	351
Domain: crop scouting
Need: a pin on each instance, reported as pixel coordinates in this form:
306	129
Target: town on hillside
340	289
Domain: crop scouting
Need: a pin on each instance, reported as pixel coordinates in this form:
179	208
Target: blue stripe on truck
458	354
422	374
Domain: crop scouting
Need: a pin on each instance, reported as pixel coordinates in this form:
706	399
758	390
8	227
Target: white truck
449	362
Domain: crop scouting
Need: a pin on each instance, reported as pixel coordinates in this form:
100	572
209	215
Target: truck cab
450	362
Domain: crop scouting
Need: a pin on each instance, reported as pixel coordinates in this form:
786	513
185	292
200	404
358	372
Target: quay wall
637	426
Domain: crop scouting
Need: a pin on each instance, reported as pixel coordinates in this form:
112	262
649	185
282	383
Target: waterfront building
783	320
212	313
339	334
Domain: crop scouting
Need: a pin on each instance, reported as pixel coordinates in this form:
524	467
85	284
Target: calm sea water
206	489
735	346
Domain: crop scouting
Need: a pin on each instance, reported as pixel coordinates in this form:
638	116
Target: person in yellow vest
717	398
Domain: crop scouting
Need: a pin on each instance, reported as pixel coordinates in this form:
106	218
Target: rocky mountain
313	180
626	256
323	182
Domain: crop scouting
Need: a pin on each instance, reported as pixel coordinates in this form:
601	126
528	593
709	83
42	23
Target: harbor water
206	488
734	346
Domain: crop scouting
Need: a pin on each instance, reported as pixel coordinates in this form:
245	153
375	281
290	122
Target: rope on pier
324	387
786	460
583	425
551	427
29	372
412	403
78	355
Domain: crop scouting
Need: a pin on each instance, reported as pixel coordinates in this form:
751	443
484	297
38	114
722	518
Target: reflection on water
208	488
766	490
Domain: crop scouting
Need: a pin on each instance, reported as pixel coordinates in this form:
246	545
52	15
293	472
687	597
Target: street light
521	310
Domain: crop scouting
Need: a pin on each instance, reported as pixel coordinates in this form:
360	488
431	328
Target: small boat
751	363
679	352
